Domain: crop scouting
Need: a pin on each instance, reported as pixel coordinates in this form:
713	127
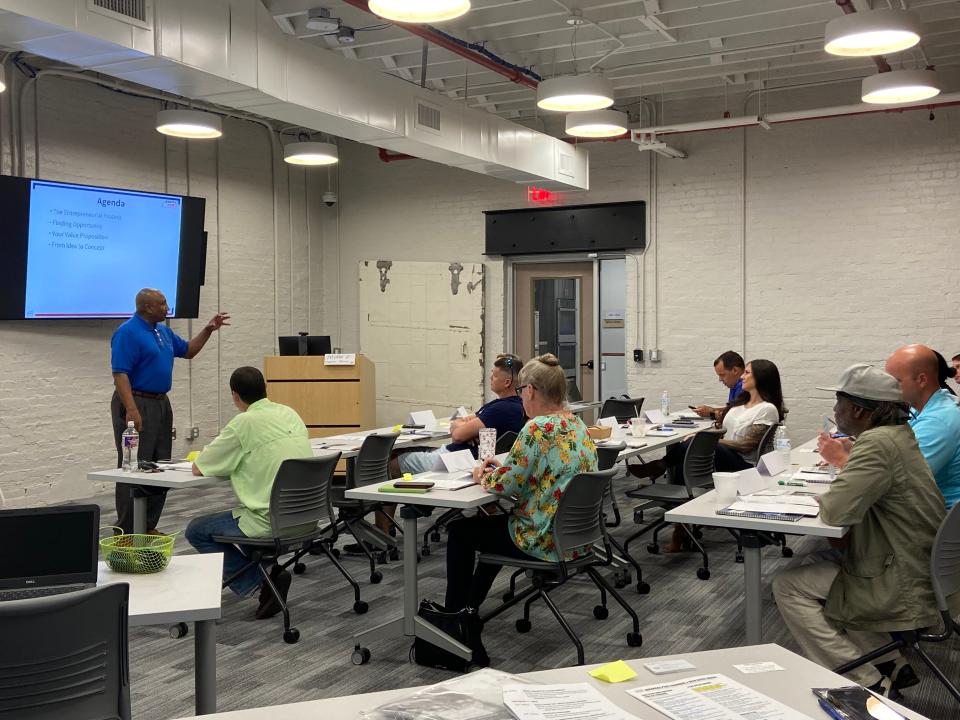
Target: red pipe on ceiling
447	44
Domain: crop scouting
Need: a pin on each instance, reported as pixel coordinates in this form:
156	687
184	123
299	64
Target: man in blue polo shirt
935	416
729	368
141	356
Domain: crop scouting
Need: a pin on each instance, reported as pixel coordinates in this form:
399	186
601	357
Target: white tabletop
649	443
790	686
167	478
186	591
469	497
348	444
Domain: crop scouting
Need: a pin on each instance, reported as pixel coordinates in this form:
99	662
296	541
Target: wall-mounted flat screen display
80	251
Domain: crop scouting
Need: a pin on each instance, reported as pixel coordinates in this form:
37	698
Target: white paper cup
638	427
725	485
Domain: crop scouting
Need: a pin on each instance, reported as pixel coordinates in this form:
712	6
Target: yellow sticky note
408	476
613	672
397	428
191	456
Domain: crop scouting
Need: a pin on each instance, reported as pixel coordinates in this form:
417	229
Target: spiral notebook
748	510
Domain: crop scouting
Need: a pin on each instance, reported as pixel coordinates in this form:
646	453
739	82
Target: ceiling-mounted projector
319	20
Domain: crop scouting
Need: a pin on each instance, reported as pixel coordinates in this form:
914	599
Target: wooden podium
330	399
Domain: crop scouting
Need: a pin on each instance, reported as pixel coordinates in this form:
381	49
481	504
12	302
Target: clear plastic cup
725	487
487	444
638	427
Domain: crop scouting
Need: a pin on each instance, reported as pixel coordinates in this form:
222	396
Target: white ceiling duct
232	53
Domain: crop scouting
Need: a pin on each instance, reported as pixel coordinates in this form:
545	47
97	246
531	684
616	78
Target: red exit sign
542	196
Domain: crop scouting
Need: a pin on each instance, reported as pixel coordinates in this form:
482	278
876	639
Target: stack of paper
559	702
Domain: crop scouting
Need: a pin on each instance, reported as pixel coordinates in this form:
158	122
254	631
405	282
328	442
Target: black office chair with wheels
621	408
371	465
65	656
577	523
945	578
505	441
299	503
698	464
607	459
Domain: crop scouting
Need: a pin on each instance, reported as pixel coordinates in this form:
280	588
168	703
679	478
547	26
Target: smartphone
413	484
692	407
413	427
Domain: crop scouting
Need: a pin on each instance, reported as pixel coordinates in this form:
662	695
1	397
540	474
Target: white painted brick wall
851	230
55	382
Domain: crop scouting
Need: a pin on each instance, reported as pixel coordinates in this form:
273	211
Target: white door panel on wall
421	323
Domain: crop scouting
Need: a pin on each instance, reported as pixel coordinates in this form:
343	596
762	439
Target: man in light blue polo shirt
935	415
141	357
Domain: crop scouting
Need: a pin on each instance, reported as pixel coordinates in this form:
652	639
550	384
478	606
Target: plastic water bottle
781	443
129	442
665	405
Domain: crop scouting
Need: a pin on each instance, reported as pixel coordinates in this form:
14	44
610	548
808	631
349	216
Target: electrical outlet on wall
656	355
638	355
194	433
173	433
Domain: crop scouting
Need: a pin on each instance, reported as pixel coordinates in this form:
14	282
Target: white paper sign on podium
340	359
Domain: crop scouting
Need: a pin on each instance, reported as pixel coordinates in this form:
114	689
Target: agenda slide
89	250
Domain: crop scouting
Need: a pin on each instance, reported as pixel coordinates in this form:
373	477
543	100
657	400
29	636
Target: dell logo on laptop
31	582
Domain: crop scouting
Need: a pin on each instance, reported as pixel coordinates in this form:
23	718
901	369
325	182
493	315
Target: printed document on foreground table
560	702
713	697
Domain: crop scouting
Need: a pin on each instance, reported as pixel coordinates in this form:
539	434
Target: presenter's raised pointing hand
218	321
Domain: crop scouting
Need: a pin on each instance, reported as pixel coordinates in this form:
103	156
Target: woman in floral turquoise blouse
551	449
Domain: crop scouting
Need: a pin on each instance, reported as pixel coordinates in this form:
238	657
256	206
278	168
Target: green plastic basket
137	554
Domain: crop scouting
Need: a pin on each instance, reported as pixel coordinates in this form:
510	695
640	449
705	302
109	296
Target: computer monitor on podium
304	344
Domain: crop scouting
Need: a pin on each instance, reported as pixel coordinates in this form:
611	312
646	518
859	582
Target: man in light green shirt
249	451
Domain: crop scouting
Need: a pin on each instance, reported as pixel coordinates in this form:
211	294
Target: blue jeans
202	529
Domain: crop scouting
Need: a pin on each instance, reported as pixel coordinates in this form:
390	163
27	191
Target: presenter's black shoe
268	603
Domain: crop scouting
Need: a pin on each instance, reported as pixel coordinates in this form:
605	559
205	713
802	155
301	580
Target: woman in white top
744	420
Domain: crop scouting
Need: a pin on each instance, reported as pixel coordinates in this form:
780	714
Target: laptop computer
48	551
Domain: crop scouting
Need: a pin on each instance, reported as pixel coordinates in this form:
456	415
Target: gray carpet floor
256	668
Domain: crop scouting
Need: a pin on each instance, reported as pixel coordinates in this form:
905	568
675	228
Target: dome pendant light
900	86
191	124
310	153
575	93
873	32
597	124
419	11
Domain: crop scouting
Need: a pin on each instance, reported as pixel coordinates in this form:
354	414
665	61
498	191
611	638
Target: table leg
205	667
752	599
139	510
411	597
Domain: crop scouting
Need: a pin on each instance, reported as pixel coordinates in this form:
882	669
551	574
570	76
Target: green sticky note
613	672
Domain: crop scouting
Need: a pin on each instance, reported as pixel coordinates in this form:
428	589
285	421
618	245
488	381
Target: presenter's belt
154	396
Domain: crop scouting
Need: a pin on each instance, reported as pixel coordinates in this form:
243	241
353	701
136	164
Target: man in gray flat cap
880	581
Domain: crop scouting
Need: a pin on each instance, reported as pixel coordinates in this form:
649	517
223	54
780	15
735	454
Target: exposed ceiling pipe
880	60
444	41
945	100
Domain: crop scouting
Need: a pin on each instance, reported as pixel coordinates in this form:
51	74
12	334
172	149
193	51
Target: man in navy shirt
504	414
729	368
141	356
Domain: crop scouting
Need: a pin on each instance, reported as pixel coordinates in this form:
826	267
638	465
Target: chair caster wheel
335	552
507	596
618	583
738	558
425	551
394	554
435	536
523	626
376	576
360	607
178	630
643	588
634	639
600	612
291	635
653	548
703	573
381	558
299	568
786	552
360	656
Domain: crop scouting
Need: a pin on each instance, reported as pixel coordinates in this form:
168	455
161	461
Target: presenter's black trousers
156	443
468	582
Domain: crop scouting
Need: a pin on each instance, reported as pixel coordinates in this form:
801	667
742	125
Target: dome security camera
329	198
